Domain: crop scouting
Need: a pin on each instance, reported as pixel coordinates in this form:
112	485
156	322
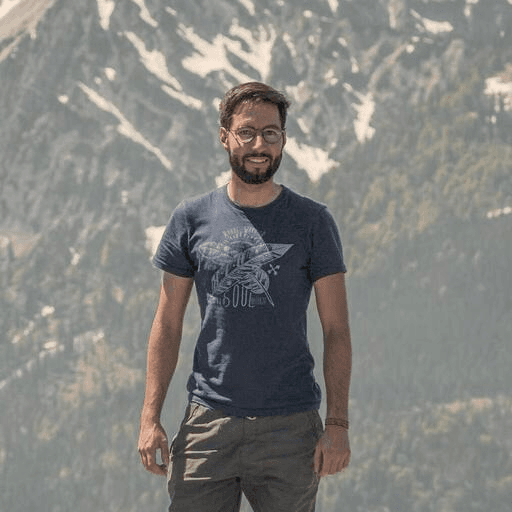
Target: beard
252	178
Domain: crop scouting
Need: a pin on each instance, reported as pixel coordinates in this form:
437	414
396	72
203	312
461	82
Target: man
255	250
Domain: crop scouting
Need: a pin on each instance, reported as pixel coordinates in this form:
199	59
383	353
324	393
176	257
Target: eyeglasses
247	135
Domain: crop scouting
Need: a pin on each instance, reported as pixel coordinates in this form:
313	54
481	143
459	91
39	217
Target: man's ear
223	136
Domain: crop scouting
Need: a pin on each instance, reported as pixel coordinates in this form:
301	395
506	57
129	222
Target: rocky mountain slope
401	122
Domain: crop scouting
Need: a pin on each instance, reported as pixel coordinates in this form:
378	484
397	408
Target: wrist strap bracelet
338	422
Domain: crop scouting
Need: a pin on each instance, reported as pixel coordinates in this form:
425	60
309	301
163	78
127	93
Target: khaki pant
214	458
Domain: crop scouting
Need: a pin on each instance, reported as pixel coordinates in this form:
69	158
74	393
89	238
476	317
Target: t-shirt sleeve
172	254
326	248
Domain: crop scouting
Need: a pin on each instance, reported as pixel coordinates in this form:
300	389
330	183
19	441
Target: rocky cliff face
105	97
401	122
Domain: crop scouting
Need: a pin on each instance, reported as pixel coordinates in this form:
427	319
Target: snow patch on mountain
153	237
111	74
314	161
214	56
288	41
223	178
47	311
365	110
468	8
7	5
208	57
500	86
105	10
333	4
145	14
304	125
75	257
156	63
259	56
299	93
125	127
435	27
188	101
249	5
331	78
493	214
395	8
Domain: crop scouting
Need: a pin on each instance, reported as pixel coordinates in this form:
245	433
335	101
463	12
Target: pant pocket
171	456
316	423
191	411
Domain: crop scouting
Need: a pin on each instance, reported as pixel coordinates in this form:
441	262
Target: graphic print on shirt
244	265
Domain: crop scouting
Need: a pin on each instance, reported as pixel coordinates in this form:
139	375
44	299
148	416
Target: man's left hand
332	453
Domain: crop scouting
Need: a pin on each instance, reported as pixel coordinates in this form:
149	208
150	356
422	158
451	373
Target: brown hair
248	93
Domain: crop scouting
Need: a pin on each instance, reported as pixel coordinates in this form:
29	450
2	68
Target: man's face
257	161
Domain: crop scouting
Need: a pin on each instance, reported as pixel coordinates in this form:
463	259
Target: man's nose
259	141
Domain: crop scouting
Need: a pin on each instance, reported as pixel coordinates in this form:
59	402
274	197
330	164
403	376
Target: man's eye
245	132
271	133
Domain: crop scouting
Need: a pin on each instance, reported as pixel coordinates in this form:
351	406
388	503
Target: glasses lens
246	134
271	136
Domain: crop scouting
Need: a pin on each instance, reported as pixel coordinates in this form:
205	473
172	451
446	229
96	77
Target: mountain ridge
400	123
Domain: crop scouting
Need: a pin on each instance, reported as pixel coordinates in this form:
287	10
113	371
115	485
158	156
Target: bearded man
255	249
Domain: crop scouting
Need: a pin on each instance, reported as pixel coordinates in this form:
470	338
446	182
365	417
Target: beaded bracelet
338	422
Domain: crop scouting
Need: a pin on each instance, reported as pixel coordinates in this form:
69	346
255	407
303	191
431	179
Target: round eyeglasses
247	135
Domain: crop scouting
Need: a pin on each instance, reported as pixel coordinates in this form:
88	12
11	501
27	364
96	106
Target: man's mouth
257	159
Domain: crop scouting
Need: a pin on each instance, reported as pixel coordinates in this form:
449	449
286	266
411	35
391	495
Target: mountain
401	122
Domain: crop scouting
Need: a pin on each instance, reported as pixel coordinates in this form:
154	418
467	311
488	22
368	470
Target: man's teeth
257	160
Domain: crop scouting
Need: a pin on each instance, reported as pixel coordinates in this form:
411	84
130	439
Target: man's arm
333	451
331	300
163	348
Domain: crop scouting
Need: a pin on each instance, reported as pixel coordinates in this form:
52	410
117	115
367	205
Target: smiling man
255	250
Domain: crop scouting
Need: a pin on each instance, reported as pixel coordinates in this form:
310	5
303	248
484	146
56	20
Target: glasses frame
257	132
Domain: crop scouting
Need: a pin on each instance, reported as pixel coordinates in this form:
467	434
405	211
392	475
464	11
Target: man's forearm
337	372
162	359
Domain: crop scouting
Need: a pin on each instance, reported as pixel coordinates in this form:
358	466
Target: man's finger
162	469
143	458
164	448
151	464
150	459
326	466
157	469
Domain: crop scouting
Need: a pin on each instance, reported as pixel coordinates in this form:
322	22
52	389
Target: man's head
252	118
252	92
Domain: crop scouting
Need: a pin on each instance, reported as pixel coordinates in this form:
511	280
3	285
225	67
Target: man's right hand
163	347
152	438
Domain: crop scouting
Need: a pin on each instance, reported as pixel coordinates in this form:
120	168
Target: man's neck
258	195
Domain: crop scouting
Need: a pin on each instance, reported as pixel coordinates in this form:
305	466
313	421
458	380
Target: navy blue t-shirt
253	269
